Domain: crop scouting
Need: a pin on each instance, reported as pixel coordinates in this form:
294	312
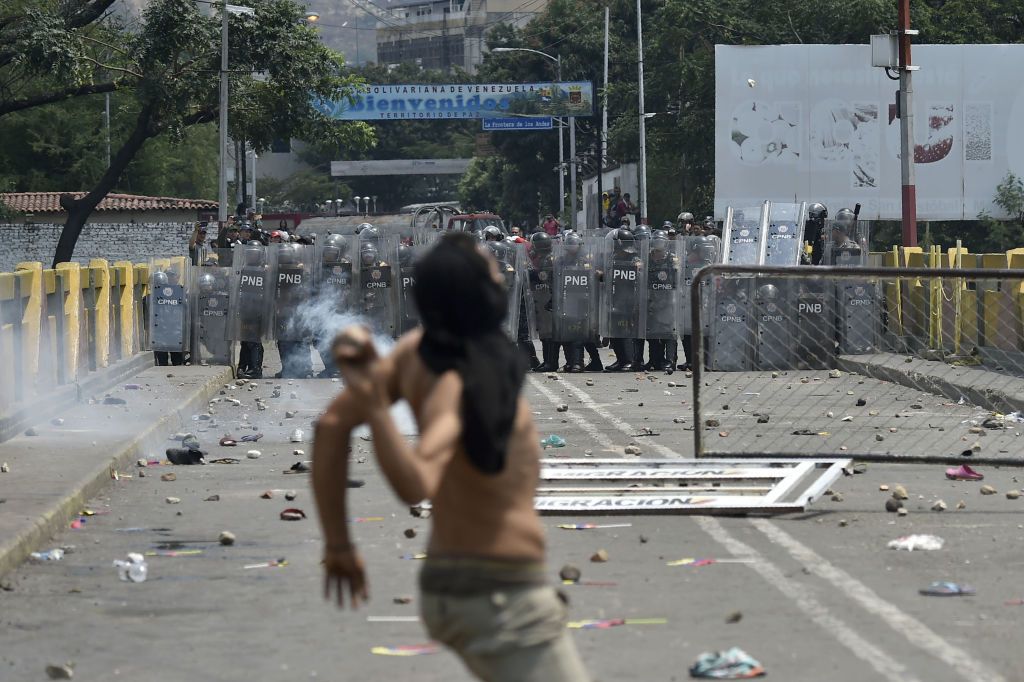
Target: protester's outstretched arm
342	565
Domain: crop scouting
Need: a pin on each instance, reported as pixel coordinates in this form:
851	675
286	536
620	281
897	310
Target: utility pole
222	194
603	153
906	102
572	172
561	153
642	208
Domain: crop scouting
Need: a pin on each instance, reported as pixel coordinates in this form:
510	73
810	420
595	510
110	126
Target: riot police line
295	295
625	288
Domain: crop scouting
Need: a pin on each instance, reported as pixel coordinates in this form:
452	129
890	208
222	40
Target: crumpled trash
917	542
51	555
553	441
293	514
944	588
731	664
132	568
1014	418
250	438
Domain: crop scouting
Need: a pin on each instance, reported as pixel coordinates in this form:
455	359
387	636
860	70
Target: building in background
446	34
44	208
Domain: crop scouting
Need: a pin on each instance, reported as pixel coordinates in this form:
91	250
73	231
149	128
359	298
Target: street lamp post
572	140
222	208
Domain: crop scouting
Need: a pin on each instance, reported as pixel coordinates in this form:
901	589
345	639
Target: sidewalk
995	391
54	473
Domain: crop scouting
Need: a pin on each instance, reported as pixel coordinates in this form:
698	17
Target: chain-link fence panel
879	364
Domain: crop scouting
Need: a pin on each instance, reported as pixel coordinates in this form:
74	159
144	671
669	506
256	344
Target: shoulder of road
71	457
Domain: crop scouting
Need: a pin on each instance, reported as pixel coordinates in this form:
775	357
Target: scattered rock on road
570	573
1012	494
632	450
212	498
168	477
563	408
900	493
60	672
600	556
893	505
172	500
226	538
988	490
410	533
938	506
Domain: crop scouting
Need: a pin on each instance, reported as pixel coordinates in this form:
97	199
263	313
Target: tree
169	64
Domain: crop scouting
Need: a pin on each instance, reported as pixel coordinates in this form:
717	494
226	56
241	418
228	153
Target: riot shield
511	260
847	244
664	293
212	295
575	291
292	289
334	274
816	329
696	253
169	319
857	301
775	319
540	273
744	235
784	240
624	288
376	275
408	315
250	294
731	343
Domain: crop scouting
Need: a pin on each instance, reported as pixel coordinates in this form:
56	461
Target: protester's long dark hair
462	308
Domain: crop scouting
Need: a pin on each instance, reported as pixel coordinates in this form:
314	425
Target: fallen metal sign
610	486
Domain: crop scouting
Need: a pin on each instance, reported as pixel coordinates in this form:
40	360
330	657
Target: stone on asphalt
900	493
893	505
631	450
599	557
212	498
410	533
172	500
570	573
290	495
939	506
226	538
60	672
988	490
902	511
562	408
402	600
254	454
1012	494
169	476
734	617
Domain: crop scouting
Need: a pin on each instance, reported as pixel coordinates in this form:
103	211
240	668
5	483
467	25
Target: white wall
625	177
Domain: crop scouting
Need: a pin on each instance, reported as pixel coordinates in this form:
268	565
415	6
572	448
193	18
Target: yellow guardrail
58	325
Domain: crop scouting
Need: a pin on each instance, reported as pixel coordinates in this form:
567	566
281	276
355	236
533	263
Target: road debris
292	514
553	441
893	505
64	671
410	533
406	650
917	542
1012	494
570	573
132	569
168	477
226	538
987	490
939	506
55	554
599	557
947	589
172	500
731	664
562	408
964	473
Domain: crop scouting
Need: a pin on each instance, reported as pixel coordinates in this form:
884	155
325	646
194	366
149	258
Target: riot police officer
293	287
249	310
575	294
814	230
409	317
662	303
492	234
541	272
376	283
334	285
621	305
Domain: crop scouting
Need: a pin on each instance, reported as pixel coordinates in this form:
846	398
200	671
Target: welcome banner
462	101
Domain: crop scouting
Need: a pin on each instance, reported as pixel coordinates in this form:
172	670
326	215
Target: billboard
462	101
818	123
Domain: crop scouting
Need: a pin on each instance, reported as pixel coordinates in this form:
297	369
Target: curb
53	402
14	551
993	391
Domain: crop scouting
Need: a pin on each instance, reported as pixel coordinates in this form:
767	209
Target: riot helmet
573	243
366	232
541	242
159	279
847	218
207	283
492	234
405	255
368	254
624	240
685	217
703	250
288	255
254	254
642	232
667	225
817	212
331	255
767	292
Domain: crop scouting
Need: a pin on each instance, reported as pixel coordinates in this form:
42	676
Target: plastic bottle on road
133	569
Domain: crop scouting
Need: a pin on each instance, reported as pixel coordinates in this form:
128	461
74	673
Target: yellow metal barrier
31	280
126	306
101	307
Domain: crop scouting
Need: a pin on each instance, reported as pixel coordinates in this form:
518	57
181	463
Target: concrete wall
113	241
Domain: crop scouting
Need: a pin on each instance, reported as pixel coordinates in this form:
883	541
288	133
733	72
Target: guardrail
59	326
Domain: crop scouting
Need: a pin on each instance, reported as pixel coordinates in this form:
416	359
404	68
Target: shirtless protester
483	587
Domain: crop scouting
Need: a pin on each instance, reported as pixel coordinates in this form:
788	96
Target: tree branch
90	12
56	96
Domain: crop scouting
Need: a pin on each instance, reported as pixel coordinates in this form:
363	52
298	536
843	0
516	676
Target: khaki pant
511	635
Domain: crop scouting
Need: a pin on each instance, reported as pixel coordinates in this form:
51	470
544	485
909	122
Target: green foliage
303	190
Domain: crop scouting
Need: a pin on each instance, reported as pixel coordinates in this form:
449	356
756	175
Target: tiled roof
49	202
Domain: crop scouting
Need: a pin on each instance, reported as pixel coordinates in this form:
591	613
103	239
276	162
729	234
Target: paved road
820	595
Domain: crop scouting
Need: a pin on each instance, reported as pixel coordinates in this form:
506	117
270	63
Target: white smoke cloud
320	318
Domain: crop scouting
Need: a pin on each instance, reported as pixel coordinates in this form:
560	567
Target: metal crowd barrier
885	364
